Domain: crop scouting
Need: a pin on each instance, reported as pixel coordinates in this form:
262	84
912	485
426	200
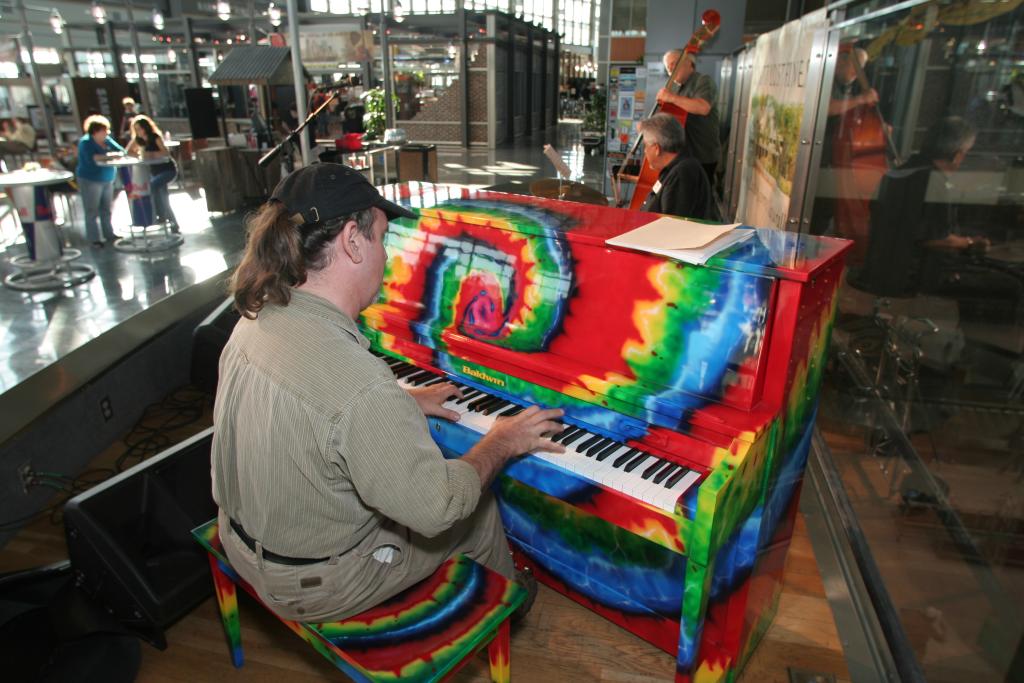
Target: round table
567	190
145	235
48	264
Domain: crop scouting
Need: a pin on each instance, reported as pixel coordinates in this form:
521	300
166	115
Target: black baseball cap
321	192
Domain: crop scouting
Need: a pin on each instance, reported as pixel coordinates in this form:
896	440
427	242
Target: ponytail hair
279	255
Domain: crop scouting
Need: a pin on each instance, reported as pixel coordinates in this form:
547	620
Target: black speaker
208	340
202	113
129	542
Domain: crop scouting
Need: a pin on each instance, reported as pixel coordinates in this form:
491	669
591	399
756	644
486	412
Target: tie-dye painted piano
708	375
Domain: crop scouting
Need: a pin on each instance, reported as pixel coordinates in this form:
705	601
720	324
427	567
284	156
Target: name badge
657	187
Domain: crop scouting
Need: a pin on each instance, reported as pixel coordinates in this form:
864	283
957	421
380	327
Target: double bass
710	22
862	148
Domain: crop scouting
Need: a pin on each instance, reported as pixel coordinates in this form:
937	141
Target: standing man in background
131	110
697	96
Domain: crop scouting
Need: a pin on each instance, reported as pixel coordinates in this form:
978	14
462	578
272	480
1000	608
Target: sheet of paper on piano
681	239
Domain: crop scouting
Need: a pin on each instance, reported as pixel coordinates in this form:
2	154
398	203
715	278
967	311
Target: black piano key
594	438
478	400
494	406
598	447
489	407
500	405
674	479
665	471
420	377
406	371
635	462
469	395
574	437
481	403
625	457
511	410
649	472
569	429
436	380
608	450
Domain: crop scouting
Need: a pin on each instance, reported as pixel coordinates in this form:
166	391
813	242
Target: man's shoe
525	578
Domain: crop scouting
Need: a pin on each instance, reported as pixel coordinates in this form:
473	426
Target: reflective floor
40	328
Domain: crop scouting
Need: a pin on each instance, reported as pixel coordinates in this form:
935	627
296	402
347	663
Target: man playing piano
682	188
332	494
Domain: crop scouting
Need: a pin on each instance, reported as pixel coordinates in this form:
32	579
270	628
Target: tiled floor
38	329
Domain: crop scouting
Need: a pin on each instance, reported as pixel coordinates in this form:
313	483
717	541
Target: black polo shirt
682	190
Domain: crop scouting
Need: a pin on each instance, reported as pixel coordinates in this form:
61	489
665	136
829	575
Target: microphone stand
289	140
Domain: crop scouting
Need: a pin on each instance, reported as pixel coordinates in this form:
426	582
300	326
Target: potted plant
374	120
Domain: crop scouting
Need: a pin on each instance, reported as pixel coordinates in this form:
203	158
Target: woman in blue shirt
95	182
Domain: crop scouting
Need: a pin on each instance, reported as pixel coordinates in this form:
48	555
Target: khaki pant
355	581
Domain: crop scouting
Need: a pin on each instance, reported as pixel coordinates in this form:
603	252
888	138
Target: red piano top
523	293
770	252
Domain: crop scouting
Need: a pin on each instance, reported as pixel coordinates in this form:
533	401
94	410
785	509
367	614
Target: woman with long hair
148	142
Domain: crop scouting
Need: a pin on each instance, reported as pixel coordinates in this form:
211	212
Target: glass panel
923	409
424	76
629	17
94	64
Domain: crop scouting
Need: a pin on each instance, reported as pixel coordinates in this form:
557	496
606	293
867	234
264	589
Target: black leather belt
267	555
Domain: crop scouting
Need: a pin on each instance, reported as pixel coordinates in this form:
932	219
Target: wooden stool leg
227	600
499	654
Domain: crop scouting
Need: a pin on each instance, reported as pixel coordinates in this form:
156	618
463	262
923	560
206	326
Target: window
94	64
345	6
574	21
629	17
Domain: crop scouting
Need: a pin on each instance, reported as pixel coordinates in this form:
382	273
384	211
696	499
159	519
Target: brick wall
440	120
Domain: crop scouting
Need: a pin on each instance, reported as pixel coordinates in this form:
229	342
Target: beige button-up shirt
315	444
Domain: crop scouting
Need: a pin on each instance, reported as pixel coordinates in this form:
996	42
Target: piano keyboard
630	471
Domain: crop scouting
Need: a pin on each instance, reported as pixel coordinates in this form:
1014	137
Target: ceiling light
57	22
158	19
274	13
399	12
98	13
223	10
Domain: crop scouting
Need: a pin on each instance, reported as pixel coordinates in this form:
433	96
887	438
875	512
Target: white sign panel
776	110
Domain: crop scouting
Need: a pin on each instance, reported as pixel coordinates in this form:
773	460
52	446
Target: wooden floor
558	640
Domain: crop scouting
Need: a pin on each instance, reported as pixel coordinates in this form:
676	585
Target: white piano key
576	461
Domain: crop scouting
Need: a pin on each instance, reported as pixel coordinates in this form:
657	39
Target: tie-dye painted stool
425	633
